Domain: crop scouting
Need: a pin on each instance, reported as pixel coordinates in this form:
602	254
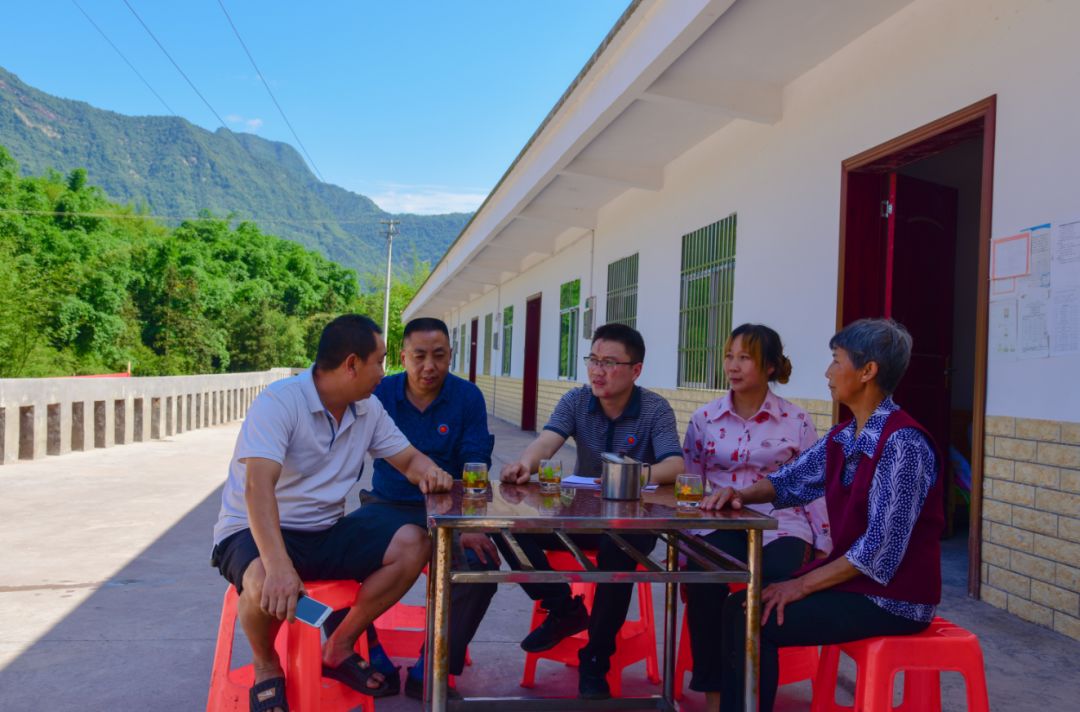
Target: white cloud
427	200
253	124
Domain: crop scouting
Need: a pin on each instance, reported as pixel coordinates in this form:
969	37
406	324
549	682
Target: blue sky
418	104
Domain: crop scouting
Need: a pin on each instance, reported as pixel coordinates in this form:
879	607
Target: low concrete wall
53	416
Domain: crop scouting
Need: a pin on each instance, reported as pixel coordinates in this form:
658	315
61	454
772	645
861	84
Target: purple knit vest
918	578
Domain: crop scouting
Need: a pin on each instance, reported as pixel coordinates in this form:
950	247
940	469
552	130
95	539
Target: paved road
108	602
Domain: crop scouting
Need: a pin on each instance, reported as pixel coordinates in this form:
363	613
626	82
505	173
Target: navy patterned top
906	471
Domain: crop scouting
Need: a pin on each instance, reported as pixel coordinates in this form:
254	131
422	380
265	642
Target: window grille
569	299
508	333
464	347
705	304
453	340
488	331
622	287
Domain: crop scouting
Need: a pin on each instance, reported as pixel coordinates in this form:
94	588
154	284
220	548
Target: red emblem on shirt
444	429
630	440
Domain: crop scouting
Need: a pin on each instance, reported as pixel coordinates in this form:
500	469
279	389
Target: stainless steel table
508	510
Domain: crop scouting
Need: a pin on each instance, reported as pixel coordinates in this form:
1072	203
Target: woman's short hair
764	346
883	341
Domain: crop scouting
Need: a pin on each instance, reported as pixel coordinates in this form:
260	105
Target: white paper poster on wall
1010	256
1065	321
1065	255
1002	330
1033	324
1039	276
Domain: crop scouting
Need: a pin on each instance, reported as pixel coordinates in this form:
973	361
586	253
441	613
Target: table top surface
509	506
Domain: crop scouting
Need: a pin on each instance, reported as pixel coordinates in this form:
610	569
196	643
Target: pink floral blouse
731	452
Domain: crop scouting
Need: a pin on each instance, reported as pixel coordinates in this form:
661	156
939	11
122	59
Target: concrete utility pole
391	230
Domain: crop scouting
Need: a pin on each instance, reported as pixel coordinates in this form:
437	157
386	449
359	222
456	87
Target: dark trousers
612	599
823	618
468	602
705	602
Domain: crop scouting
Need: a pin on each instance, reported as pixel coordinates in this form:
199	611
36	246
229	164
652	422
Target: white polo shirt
320	459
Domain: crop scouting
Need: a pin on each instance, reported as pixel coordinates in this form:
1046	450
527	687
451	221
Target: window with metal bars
705	301
622	281
569	300
508	333
488	331
453	340
464	346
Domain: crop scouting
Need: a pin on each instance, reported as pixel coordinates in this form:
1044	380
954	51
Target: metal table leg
671	605
429	626
440	649
753	622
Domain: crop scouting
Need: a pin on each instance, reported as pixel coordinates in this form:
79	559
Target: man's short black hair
348	334
426	323
629	337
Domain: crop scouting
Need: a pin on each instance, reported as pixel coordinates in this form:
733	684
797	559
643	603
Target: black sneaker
557	626
592	686
414	688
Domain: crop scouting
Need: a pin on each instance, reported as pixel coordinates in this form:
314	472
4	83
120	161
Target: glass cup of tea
474	478
689	490
550	475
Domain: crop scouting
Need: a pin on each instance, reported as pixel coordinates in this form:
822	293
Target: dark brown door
919	294
472	349
531	376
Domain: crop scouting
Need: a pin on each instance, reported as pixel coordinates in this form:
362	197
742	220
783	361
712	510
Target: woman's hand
722	497
778	595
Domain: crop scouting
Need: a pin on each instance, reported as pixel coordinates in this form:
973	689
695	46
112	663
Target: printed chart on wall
1035	292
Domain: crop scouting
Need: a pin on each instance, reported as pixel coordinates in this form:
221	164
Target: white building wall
783	181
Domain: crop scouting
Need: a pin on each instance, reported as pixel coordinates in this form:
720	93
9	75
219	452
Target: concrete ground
108	602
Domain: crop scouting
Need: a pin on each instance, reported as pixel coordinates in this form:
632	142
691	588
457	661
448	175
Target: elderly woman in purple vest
881	478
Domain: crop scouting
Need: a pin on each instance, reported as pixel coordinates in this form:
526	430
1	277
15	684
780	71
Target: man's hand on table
281	587
482	546
515	473
722	497
436	480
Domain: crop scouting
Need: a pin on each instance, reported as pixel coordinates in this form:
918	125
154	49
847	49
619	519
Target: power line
267	86
126	61
185	76
151	216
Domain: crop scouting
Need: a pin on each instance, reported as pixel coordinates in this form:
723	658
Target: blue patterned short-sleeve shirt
901	482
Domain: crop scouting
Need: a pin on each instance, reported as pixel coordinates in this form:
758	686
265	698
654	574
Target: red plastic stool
796	663
636	641
921	657
300	649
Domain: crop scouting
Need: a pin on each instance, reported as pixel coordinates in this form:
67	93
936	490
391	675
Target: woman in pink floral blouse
734	441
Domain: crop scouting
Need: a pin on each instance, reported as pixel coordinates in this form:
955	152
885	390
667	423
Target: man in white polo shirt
300	449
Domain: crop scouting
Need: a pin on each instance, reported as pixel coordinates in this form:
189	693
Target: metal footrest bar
500	704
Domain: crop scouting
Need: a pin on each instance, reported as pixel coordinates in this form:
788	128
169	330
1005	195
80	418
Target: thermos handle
648	475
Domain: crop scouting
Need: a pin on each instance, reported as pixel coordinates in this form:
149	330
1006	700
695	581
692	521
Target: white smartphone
311	611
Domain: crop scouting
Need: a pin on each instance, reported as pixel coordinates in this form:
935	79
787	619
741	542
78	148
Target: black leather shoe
414	688
592	686
556	627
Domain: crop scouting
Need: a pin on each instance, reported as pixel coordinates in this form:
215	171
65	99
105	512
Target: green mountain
167	166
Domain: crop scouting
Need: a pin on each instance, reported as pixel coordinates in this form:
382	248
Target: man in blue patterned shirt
611	414
445	417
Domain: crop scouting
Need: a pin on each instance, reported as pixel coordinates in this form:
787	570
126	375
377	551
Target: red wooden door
919	282
531	374
474	328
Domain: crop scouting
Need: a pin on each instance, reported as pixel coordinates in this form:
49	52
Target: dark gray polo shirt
645	431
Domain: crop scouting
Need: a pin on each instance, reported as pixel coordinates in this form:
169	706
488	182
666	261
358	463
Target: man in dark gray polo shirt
611	414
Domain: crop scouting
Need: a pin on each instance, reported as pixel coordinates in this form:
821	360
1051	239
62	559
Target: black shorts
352	549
